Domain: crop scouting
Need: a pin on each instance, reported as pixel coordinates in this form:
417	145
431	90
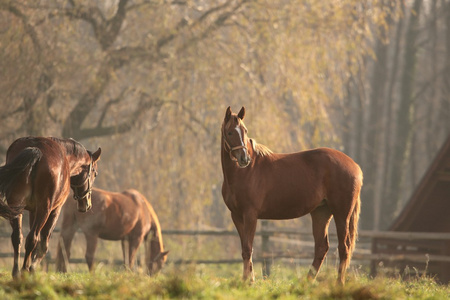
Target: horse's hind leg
36	224
321	217
346	239
42	246
343	247
16	239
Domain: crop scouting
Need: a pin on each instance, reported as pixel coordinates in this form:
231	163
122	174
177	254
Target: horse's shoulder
100	196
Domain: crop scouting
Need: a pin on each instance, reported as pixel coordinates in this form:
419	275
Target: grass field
213	282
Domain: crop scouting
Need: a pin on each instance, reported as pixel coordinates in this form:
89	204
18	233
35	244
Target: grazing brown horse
37	176
126	216
260	184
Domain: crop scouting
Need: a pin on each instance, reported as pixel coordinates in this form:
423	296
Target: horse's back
46	145
52	160
121	213
50	169
333	160
285	186
316	166
333	168
146	210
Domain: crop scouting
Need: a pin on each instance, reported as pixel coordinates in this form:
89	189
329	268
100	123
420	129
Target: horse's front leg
91	247
134	244
16	239
68	230
246	227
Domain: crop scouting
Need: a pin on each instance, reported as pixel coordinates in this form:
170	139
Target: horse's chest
238	201
231	203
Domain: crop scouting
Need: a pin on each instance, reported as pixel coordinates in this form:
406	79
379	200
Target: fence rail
363	252
293	231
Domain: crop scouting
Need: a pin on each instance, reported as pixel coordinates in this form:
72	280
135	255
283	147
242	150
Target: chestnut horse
37	176
260	184
126	216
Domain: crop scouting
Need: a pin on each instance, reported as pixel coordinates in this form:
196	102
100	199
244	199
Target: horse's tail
353	226
354	217
24	161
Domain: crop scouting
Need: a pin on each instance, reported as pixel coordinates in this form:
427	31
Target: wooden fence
272	236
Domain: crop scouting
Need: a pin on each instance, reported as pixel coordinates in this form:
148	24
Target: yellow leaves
286	61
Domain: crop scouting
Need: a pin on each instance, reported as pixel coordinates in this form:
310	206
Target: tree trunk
374	147
403	118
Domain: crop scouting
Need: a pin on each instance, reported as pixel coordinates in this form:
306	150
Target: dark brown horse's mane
72	147
260	149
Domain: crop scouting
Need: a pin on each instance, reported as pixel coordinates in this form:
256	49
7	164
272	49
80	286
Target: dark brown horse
126	216
260	184
37	176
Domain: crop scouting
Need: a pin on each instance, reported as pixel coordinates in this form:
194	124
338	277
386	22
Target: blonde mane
260	149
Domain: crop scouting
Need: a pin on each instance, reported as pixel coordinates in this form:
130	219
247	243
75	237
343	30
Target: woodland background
149	82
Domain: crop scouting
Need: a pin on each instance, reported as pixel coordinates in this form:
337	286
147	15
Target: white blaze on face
238	129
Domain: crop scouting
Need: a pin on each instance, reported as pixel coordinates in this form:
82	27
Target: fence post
267	261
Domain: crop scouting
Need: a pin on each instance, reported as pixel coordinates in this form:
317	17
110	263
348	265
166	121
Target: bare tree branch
29	29
106	31
144	106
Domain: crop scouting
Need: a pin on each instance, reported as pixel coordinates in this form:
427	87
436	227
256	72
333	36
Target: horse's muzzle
244	161
84	204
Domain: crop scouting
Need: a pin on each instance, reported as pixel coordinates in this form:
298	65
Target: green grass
213	282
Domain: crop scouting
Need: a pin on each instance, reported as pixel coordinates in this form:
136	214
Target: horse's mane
156	227
260	149
72	147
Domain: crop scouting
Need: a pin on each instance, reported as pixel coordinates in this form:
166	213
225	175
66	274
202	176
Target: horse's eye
230	133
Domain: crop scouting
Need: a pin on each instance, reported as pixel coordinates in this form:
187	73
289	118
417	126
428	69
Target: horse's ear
161	255
227	114
241	113
96	154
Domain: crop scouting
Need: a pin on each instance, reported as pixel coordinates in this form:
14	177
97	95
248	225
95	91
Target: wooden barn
419	239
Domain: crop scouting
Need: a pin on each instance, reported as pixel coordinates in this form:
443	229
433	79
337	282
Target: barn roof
428	209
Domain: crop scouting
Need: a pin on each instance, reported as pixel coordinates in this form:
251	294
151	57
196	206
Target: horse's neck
227	163
230	168
76	154
76	162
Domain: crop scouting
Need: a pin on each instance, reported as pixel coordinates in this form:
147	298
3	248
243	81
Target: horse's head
234	135
82	183
157	261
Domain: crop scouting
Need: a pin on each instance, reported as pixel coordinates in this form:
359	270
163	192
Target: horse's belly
277	215
112	236
279	208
